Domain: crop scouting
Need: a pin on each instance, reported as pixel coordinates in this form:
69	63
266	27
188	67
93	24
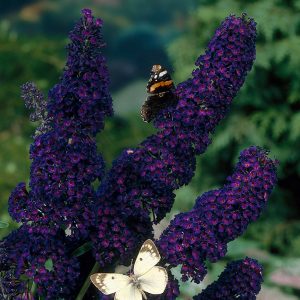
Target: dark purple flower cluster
243	197
65	159
142	180
205	98
240	280
79	103
219	216
44	259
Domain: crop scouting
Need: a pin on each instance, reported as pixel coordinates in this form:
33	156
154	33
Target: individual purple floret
45	259
219	216
240	280
65	161
142	180
79	103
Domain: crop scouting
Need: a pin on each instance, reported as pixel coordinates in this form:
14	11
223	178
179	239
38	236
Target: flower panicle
241	279
61	207
205	98
64	158
81	100
219	216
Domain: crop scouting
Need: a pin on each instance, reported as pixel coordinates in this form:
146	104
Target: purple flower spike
219	216
81	100
65	161
142	180
205	98
240	280
243	197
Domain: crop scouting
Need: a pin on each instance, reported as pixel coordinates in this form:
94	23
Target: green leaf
49	264
82	249
24	277
3	224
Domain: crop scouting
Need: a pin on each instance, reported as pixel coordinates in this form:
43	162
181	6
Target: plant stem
33	289
87	282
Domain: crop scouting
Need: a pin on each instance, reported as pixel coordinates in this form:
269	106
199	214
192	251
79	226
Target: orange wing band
160	84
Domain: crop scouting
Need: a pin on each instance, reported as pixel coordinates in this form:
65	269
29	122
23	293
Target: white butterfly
146	277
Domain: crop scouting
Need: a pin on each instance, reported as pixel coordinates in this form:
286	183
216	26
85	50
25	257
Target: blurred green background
141	33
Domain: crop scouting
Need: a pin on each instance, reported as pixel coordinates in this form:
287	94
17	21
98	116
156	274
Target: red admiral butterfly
160	87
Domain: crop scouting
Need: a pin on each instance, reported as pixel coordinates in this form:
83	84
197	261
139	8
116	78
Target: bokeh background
140	33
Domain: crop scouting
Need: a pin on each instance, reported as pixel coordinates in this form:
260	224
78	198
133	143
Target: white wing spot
161	74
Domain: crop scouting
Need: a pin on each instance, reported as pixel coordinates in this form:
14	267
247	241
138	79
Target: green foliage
265	113
3	225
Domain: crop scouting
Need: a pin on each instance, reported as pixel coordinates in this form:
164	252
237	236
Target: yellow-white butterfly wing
130	292
109	283
147	258
154	281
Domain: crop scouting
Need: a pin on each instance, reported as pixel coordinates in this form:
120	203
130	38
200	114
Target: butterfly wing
147	258
130	292
150	108
154	281
156	103
109	283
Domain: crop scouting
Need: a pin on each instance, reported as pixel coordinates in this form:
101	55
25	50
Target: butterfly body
146	277
137	284
160	89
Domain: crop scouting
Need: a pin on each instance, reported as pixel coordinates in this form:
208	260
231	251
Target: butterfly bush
61	212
